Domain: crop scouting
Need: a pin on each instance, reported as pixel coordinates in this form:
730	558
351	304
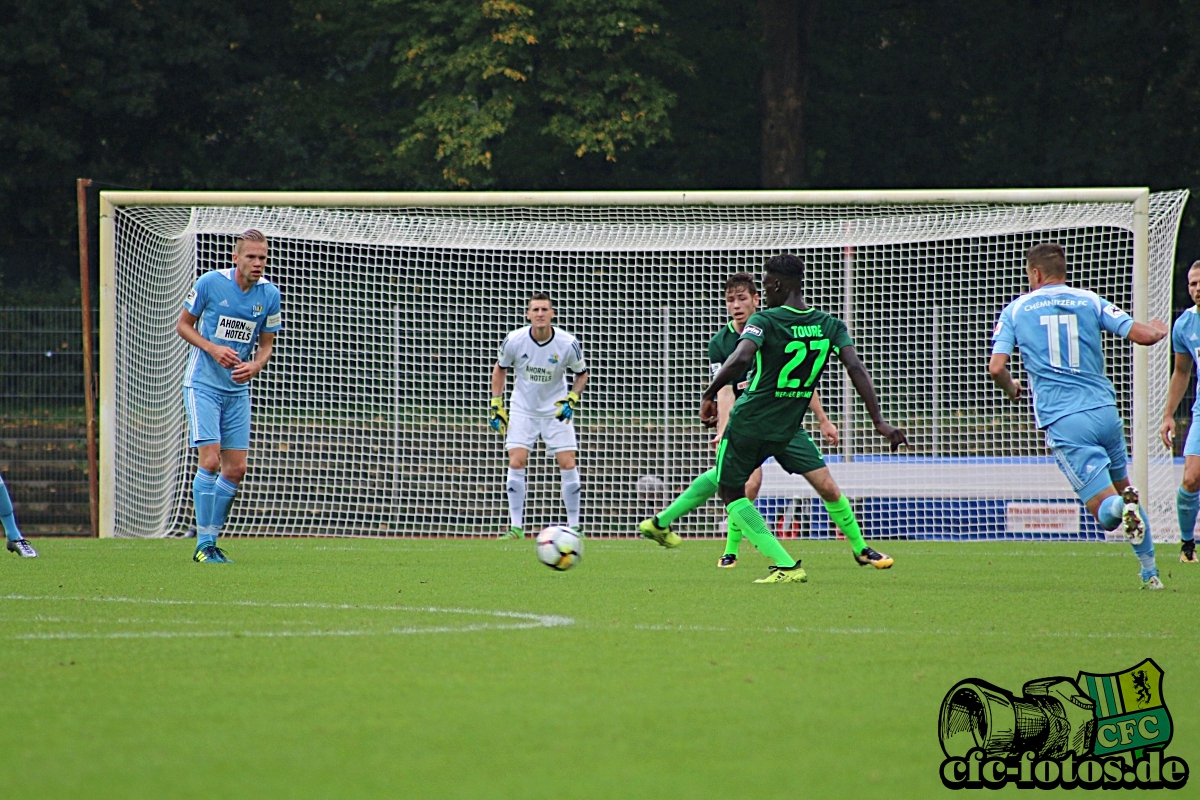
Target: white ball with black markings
559	547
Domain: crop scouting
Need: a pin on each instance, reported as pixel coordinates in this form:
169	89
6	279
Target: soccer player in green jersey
741	301
789	345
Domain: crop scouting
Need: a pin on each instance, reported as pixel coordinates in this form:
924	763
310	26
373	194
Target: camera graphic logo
1096	731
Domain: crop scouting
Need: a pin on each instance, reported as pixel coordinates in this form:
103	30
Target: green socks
747	519
733	538
843	516
692	498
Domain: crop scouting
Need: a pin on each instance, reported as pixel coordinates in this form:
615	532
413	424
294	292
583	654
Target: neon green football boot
793	574
664	536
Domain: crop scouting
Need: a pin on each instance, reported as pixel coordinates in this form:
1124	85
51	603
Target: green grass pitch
465	669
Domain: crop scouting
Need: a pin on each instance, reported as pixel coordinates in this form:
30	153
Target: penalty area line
523	620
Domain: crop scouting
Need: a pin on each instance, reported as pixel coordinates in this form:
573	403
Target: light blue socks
202	498
1109	516
1145	550
1110	512
6	514
223	494
1186	505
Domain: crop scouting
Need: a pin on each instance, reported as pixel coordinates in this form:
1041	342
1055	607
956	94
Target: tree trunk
786	28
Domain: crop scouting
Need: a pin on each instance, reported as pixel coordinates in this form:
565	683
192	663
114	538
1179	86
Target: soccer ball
559	547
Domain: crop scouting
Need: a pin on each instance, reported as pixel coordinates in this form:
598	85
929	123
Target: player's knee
210	462
234	472
1191	481
517	459
828	493
566	461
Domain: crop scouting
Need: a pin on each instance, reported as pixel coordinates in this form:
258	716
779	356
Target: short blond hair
252	235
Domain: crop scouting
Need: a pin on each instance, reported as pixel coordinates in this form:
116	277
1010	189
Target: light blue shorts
1089	447
217	418
1191	445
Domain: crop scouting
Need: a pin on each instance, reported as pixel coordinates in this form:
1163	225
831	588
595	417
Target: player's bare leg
518	460
822	482
571	487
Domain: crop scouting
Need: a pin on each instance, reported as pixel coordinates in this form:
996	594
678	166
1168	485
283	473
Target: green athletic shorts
738	456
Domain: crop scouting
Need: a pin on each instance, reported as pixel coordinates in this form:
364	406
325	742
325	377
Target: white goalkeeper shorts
524	432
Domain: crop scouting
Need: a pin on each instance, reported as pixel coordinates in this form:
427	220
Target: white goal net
371	417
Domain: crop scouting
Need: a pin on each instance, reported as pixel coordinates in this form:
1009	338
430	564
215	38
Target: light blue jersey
1185	339
229	317
1058	329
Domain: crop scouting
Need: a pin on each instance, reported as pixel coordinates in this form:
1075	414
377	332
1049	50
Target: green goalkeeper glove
497	416
567	407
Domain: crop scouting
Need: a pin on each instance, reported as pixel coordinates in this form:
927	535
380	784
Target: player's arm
1149	333
499	378
725	400
735	366
248	369
186	328
1176	389
576	363
866	390
497	416
580	384
829	431
998	369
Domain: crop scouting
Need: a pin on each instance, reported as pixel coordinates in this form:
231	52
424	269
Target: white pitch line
894	632
528	621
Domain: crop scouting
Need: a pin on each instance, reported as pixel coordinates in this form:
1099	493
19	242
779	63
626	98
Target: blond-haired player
226	315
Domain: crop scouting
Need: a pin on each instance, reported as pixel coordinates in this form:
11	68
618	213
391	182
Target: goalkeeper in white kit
542	407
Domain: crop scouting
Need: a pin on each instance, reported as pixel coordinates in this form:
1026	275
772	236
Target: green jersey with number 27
794	347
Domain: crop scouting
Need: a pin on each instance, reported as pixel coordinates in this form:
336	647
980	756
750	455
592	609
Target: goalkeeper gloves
497	416
567	407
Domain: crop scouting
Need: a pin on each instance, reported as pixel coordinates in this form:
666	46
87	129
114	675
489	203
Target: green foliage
585	68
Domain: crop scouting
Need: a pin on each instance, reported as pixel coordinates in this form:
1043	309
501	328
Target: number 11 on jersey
1071	323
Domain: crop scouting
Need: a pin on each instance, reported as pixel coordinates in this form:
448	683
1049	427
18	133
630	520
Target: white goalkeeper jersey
540	369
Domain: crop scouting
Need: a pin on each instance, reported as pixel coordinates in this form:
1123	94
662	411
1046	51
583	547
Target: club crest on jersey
258	309
554	358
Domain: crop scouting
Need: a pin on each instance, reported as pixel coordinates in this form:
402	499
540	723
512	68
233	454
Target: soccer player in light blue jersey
1058	330
1185	341
228	312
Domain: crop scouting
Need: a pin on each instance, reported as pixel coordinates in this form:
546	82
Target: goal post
371	419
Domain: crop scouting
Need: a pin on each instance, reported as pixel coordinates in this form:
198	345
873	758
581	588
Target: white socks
516	496
570	494
571	489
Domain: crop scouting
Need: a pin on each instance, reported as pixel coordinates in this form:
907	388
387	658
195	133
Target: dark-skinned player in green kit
789	345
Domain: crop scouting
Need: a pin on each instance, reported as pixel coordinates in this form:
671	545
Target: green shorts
738	456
